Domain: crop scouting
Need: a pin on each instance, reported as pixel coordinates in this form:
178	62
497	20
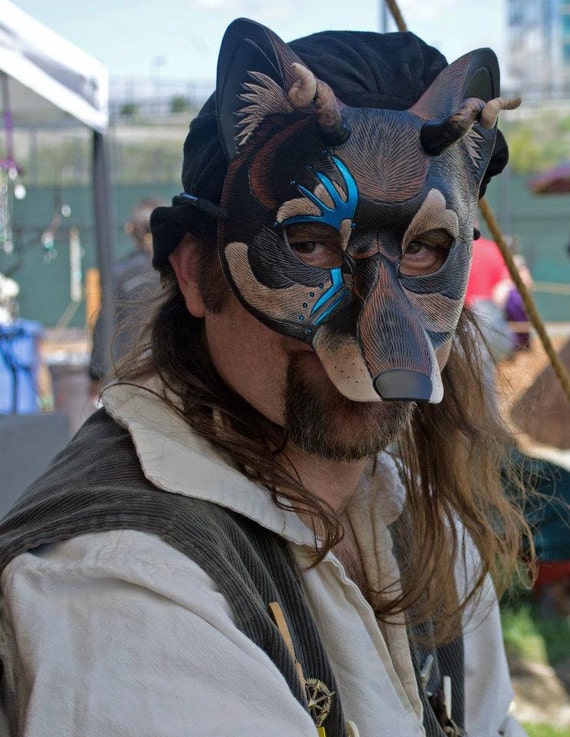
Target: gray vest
96	483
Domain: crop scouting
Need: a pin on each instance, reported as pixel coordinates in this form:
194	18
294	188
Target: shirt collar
176	459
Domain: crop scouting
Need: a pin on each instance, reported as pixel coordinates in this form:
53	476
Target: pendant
319	702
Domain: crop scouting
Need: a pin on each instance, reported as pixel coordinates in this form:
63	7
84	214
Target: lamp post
383	17
157	63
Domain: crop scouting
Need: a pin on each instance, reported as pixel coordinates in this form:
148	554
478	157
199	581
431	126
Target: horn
491	111
436	137
308	89
304	89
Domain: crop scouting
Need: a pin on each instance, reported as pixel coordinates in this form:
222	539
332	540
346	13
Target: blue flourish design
333	216
336	292
341	209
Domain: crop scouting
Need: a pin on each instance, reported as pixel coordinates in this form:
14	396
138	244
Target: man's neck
333	482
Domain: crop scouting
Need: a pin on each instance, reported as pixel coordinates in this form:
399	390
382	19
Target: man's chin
320	421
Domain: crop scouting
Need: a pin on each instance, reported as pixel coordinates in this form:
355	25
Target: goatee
321	421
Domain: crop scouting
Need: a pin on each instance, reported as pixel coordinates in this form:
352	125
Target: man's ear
184	260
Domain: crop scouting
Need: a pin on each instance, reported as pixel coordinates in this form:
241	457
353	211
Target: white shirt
118	634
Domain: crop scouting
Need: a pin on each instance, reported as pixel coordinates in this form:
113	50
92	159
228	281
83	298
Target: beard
320	421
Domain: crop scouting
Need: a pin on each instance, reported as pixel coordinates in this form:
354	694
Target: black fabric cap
364	69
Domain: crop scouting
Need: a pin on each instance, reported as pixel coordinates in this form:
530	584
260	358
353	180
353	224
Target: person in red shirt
493	296
489	278
487	292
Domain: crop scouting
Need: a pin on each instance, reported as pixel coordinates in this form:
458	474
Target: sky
180	40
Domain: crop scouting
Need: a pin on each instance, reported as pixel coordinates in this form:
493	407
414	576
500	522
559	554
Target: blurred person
133	277
287	518
488	289
496	302
514	309
515	312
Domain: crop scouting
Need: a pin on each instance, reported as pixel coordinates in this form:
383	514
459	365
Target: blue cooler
19	363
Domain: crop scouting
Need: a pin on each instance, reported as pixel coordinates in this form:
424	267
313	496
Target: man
133	278
284	520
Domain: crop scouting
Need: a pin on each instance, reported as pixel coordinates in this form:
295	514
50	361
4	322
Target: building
539	47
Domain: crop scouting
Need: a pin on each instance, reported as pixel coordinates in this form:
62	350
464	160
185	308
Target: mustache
321	421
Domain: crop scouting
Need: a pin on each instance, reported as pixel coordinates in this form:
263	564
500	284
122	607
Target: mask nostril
403	385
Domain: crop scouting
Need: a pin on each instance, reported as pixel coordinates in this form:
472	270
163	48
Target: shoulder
80	494
116	558
93	613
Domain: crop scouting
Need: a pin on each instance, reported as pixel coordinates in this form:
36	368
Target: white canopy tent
67	81
47	81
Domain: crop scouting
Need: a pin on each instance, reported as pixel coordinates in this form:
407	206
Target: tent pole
104	234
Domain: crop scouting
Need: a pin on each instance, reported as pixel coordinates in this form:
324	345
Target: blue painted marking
336	292
329	309
341	209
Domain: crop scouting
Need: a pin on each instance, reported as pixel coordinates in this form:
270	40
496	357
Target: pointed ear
475	74
253	78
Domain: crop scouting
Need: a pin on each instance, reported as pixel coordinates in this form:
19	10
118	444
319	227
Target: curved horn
436	137
303	91
332	128
308	89
491	111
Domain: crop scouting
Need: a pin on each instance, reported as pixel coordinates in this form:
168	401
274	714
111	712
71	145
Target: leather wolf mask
351	228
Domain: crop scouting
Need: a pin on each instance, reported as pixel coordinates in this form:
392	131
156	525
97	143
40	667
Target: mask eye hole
315	244
426	253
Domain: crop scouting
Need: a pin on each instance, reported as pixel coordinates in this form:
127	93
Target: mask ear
253	77
474	75
463	103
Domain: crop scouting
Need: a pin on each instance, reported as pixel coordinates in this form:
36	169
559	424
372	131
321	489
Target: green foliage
179	104
525	153
521	635
544	730
538	141
128	110
530	634
535	636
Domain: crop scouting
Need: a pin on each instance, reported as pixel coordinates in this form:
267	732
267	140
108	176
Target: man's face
376	290
360	251
284	380
346	241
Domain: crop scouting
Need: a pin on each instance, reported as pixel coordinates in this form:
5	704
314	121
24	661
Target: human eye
316	246
426	253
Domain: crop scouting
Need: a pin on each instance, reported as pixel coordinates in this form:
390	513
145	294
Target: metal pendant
319	701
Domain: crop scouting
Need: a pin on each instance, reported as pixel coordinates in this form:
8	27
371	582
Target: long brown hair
453	457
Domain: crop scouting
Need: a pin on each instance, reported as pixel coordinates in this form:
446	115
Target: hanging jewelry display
10	172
